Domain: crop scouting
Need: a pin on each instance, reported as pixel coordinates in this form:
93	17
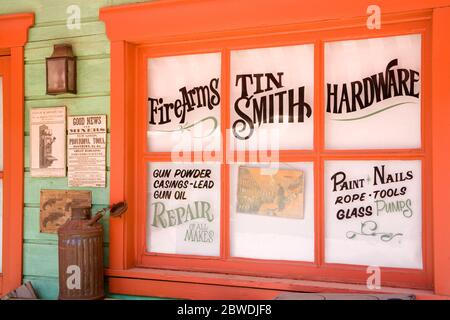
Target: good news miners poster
86	151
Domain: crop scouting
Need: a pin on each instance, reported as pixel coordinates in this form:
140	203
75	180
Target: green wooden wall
91	46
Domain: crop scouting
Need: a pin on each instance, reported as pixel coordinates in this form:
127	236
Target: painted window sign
373	209
373	213
372	84
272	92
184	103
183	209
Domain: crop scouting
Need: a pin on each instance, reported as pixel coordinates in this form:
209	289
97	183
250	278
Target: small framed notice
86	151
48	142
277	193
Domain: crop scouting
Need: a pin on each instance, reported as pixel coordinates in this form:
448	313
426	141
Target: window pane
184	103
183	208
370	85
374	213
272	96
272	211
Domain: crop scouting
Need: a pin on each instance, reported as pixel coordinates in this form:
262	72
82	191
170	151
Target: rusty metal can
80	253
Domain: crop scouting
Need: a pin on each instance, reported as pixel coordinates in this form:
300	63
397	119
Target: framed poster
277	193
48	142
56	207
272	211
86	151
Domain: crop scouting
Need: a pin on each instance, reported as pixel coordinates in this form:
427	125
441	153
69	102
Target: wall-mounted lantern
61	70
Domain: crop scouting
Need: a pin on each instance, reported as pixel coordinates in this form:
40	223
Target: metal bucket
80	252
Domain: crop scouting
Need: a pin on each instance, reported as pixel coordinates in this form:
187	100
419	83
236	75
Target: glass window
272	94
183	208
305	180
184	103
373	213
272	211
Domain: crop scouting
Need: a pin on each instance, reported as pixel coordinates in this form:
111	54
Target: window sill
202	285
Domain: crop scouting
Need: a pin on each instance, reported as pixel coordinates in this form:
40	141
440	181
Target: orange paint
164	28
441	149
13	36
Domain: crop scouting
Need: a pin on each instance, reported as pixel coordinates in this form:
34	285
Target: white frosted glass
394	122
293	69
1	225
273	237
390	233
189	224
193	121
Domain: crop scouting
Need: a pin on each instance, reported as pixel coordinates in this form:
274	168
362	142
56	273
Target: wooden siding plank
41	259
33	186
62	32
46	288
82	46
47	11
92	76
31	227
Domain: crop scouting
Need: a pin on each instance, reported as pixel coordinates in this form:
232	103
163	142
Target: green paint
91	46
92	78
46	288
41	259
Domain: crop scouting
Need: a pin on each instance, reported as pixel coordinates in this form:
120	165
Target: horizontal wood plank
92	76
61	31
97	44
47	11
41	259
75	106
46	288
32	227
100	196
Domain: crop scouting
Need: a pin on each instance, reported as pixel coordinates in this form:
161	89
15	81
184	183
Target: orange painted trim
167	28
316	270
441	149
117	151
183	290
13	35
14	29
179	284
170	19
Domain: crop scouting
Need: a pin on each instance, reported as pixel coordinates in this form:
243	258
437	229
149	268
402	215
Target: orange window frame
221	29
14	32
317	270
